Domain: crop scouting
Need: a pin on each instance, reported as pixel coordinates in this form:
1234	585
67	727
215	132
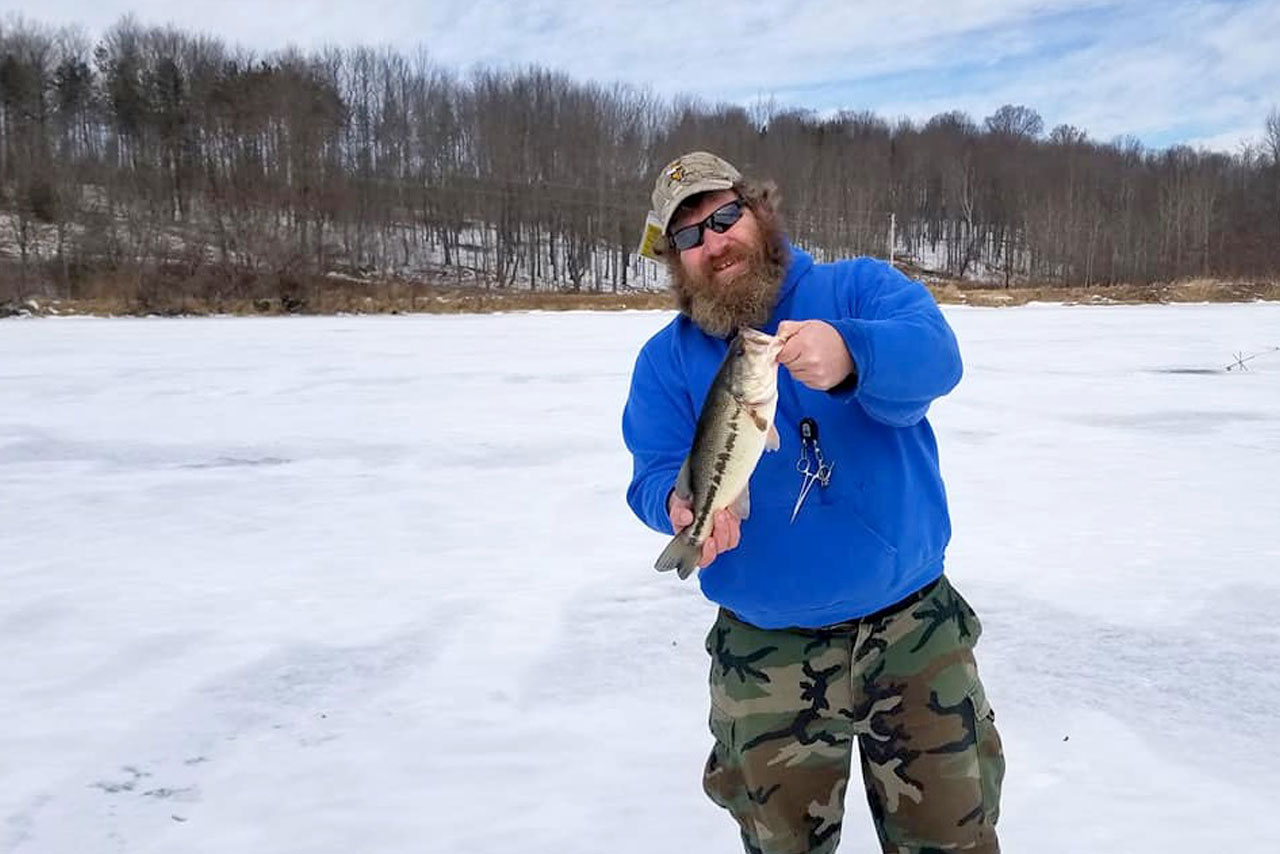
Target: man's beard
721	307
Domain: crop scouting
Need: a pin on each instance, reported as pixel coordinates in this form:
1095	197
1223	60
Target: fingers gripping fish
735	428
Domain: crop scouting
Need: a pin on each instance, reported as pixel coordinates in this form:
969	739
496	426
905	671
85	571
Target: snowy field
370	585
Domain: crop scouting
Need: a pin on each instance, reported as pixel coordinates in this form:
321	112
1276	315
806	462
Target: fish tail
681	555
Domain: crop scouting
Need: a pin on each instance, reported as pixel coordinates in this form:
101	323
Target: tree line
152	159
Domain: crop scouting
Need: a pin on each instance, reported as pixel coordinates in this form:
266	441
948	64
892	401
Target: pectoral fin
772	441
742	507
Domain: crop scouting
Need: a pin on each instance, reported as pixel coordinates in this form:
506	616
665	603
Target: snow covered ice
370	584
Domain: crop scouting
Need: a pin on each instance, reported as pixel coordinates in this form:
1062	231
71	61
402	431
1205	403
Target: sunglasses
721	220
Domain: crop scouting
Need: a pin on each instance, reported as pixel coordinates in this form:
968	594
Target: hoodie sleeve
657	426
905	352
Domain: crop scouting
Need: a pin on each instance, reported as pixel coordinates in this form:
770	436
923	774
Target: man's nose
715	243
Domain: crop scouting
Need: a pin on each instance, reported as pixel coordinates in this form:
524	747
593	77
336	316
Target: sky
1181	72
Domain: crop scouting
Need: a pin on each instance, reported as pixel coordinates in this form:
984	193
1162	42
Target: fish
735	428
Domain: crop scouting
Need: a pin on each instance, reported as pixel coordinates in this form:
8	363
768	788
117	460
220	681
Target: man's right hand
725	532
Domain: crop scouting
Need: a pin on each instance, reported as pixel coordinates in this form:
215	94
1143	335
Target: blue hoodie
878	531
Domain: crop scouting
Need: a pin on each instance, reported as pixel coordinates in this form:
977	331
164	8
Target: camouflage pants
787	705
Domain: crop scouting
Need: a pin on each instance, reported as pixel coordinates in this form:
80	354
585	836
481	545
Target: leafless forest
148	163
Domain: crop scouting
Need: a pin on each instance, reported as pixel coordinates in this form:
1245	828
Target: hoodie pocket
827	556
849	536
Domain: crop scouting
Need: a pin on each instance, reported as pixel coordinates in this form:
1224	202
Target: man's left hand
814	353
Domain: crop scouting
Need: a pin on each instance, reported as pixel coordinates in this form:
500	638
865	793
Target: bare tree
1067	135
182	166
1015	121
1272	142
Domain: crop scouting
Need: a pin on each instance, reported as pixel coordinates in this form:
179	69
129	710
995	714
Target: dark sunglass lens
687	237
722	219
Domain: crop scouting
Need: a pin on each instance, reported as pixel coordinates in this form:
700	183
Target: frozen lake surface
370	584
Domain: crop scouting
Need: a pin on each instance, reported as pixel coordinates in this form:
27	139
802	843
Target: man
836	623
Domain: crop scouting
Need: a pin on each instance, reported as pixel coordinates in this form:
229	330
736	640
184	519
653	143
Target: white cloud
1203	69
1231	142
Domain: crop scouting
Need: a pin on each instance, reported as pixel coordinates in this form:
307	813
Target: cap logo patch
677	174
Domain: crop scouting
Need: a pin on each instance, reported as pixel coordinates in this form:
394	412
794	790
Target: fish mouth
757	380
756	337
756	342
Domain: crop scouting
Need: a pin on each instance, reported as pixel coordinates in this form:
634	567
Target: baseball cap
687	175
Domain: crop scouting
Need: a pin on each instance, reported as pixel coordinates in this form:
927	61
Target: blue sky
1180	72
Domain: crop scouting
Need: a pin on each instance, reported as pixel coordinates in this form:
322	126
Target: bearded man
836	624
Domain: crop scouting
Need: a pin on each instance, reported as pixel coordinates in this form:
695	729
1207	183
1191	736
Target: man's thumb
787	328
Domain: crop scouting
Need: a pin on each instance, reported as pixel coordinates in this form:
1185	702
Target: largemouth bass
735	428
